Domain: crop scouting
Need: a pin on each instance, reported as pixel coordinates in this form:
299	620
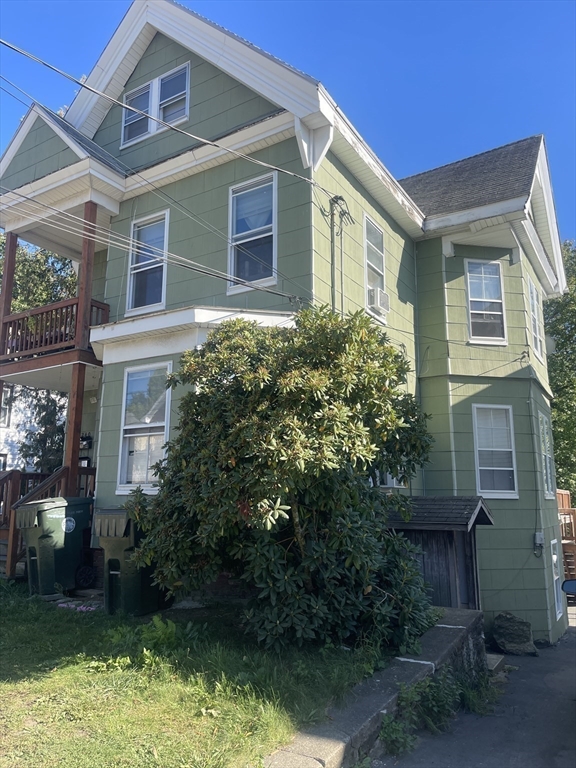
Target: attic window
164	98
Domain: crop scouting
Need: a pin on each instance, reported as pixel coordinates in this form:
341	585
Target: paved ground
534	725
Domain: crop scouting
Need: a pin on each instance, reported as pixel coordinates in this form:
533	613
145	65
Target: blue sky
425	83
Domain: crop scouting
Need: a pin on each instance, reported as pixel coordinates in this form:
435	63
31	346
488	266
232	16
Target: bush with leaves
269	474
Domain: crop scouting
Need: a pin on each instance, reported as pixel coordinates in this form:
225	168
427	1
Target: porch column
74	426
86	276
7	287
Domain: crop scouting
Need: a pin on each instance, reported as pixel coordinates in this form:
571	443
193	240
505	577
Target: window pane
497	480
495	459
145	397
173	85
259	267
174	110
252	209
486	325
374	236
148	235
147	287
375	280
143	452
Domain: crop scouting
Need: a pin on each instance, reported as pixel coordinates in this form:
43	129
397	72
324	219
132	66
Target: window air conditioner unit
378	300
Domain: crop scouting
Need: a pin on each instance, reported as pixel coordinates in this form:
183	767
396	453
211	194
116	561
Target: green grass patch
190	690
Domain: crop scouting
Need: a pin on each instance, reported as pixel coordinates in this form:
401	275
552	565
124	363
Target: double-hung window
485	301
165	98
6	405
374	245
252	255
144	424
547	456
536	320
147	271
494	448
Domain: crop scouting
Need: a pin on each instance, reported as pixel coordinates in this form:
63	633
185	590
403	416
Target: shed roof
499	174
444	513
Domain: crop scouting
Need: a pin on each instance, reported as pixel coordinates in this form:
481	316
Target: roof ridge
471	157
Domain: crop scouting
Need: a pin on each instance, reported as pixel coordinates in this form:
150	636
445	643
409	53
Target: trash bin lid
111	523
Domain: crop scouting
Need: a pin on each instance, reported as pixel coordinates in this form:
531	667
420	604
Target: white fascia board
277	82
272	130
435	224
111	188
528	238
543	174
379	171
177	323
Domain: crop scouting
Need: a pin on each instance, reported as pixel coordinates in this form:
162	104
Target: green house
199	178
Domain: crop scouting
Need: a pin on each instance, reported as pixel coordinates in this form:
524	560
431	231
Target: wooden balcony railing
46	329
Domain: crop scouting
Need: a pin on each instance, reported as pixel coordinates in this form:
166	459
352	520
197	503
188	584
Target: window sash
374	254
485	300
143	433
547	455
147	267
494	450
252	224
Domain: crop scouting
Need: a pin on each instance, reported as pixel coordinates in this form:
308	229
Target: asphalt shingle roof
444	513
490	177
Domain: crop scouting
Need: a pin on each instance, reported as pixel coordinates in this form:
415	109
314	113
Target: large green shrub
268	476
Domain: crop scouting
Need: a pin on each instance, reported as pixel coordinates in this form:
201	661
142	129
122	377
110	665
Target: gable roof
499	174
444	513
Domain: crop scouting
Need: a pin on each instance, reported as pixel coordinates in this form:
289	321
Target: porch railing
46	329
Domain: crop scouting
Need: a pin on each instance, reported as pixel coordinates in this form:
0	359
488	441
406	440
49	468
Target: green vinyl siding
206	195
218	105
399	261
42	152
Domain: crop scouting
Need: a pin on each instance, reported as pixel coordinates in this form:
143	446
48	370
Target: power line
140	112
107	237
165	196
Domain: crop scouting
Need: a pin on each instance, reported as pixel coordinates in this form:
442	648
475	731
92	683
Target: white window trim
124	489
533	292
559	609
234	288
380	318
485	340
494	494
543	420
153	126
130	311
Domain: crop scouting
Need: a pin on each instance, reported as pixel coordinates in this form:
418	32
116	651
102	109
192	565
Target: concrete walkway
534	725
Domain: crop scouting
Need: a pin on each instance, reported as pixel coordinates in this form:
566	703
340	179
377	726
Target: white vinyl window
559	600
374	245
165	98
6	406
386	480
145	411
494	449
536	320
485	302
252	254
547	456
147	270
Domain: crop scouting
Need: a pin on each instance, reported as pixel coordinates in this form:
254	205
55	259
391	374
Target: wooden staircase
17	488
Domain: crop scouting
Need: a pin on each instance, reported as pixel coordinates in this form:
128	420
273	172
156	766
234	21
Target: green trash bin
53	530
126	587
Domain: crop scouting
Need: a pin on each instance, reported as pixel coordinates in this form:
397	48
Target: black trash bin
126	587
53	530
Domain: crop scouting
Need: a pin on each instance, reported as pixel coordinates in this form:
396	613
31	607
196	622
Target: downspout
333	203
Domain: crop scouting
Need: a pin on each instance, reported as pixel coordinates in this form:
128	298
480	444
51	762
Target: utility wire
107	237
165	196
140	112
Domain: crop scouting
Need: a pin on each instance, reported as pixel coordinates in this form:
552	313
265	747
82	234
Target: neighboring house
13	417
455	262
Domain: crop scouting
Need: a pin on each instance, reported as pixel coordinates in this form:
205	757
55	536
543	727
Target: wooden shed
444	527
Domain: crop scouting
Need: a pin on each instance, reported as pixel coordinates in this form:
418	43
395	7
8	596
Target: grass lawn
86	690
